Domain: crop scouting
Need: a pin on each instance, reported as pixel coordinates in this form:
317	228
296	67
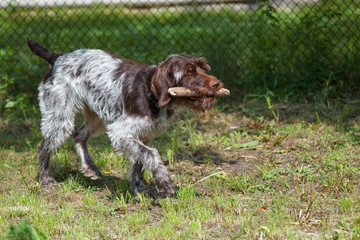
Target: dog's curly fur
127	100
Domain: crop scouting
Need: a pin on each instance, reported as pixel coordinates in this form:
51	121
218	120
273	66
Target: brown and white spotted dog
128	101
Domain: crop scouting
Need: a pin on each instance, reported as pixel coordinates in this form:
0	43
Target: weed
346	203
24	230
270	107
185	193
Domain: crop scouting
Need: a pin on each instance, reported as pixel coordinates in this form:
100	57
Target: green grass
237	177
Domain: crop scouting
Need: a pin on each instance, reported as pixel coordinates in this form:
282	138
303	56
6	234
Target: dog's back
88	78
94	79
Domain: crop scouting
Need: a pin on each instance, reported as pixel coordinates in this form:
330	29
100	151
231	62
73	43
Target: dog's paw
169	191
92	173
137	186
166	187
163	181
48	182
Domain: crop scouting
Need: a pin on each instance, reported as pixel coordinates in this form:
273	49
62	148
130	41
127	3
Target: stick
186	92
208	177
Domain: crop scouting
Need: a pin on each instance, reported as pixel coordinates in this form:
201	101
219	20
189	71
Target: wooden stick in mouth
186	92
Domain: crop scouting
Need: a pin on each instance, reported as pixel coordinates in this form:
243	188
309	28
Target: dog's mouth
203	99
197	98
202	103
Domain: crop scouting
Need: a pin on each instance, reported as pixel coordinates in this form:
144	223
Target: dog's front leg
142	155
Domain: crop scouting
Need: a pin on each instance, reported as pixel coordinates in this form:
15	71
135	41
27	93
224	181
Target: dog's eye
189	71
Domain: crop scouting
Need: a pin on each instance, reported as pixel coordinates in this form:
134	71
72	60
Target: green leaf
10	104
24	230
249	144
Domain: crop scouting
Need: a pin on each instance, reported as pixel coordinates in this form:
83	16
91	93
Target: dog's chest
155	127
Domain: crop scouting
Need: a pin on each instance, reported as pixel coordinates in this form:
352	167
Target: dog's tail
42	52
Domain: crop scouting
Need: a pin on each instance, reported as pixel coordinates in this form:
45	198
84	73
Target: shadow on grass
203	157
18	135
119	188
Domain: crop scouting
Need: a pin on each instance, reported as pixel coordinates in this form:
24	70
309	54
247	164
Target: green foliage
302	52
25	231
16	88
307	51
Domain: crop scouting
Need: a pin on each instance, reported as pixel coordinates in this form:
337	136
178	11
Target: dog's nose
215	84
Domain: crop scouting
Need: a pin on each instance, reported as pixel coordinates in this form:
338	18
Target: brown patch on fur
136	89
160	84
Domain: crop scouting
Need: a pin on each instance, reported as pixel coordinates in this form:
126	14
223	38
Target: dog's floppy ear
160	84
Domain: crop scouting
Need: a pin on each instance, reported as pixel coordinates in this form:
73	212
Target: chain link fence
287	47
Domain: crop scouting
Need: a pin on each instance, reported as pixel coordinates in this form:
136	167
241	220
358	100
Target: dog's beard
197	103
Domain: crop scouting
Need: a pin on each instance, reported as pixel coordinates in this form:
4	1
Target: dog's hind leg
92	126
57	124
44	164
55	133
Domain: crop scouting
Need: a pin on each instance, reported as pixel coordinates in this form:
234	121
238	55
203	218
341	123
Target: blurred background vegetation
290	49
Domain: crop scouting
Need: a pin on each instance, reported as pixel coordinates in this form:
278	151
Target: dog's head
182	70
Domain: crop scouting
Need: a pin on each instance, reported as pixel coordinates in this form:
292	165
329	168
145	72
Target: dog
127	100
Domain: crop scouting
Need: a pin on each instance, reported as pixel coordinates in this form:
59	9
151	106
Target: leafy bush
303	53
306	52
24	231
